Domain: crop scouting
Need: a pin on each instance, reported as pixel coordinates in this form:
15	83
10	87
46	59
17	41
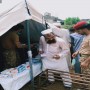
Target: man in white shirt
65	35
53	52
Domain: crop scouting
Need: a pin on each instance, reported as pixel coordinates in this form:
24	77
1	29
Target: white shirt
58	48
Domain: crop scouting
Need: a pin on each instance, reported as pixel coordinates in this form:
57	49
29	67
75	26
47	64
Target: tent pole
29	48
46	24
29	54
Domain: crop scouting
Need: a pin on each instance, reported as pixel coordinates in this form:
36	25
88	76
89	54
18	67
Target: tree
71	21
89	21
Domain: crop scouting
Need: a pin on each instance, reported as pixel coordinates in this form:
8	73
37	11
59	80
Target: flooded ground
56	86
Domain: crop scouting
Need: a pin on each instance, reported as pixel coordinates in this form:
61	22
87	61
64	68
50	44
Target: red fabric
79	24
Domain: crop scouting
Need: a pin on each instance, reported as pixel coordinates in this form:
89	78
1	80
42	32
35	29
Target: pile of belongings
10	73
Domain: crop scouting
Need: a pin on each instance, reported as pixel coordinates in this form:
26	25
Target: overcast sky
64	8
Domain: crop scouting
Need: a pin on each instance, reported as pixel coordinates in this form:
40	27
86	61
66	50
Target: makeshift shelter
13	12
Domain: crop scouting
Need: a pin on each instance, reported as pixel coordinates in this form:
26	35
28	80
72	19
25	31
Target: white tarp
18	81
14	11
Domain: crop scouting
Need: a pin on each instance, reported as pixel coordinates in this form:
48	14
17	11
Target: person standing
53	51
76	40
65	35
84	50
10	42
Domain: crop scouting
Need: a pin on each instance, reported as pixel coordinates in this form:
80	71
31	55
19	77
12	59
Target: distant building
47	14
52	19
85	20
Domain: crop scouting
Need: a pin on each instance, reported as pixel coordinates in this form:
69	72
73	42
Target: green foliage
67	26
71	21
89	21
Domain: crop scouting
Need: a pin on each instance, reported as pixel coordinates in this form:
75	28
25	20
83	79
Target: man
84	50
10	42
76	40
53	52
65	35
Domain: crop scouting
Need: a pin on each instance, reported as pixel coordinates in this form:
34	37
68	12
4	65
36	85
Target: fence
81	81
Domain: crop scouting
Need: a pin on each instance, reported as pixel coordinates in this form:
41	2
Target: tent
13	12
